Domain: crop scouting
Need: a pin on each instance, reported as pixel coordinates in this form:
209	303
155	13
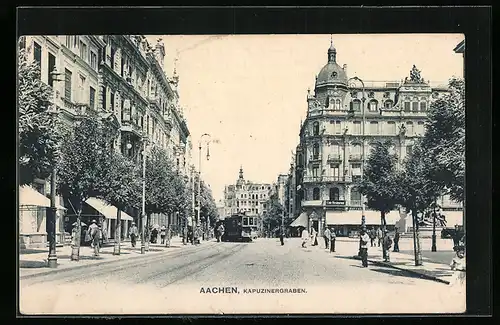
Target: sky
249	91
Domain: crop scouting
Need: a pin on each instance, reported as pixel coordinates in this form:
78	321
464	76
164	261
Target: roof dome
331	73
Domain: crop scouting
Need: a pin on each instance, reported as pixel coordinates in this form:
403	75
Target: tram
240	227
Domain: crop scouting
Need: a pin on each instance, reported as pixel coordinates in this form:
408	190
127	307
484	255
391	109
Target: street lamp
51	218
199	177
143	210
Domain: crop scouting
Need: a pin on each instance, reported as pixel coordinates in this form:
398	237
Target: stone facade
344	119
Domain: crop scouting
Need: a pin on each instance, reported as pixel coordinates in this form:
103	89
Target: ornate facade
345	117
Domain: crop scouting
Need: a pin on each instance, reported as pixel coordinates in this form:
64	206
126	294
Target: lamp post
363	99
199	178
52	215
143	209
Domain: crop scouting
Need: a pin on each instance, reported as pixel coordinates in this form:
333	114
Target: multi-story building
245	196
119	77
345	117
281	186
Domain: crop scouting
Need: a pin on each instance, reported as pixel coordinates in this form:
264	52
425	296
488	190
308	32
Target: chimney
160	52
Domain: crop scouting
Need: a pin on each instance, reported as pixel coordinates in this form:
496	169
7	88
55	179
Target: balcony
312	179
129	126
69	105
334	157
315	159
332	178
355	157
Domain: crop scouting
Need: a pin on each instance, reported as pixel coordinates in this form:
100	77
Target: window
414	106
338	127
356	169
337	104
104	91
423	106
356	127
355	195
421	128
113	53
409	128
93	60
334	170
356	105
391	128
356	149
316	193
316	151
82	89
409	150
388	104
92	98
37	54
407	106
315	172
334	194
373	105
52	65
68	41
67	84
373	127
245	221
123	66
112	95
83	51
315	128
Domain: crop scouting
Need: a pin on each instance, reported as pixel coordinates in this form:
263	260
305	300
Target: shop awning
453	218
106	209
28	196
301	221
353	217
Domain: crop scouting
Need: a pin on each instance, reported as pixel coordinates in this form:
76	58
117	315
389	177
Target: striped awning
301	221
106	209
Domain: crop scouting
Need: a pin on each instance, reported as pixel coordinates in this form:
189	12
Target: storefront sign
335	203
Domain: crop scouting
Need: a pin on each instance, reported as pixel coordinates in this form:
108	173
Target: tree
85	155
444	139
122	190
380	181
274	212
418	191
208	206
38	136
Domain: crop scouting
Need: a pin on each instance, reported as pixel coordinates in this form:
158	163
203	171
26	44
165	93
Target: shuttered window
67	84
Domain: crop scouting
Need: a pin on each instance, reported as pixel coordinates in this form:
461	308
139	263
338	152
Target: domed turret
331	74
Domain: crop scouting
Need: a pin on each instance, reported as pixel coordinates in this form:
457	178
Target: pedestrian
75	239
134	232
373	236
154	235
282	236
363	240
220	232
333	237
314	237
326	236
396	240
457	282
456	236
95	236
380	236
386	246
163	232
305	237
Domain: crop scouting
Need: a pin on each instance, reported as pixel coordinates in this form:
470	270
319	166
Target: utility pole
143	210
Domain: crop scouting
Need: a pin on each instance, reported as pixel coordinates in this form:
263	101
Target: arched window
316	128
373	105
356	149
316	195
316	151
388	104
356	105
423	105
355	196
334	194
337	104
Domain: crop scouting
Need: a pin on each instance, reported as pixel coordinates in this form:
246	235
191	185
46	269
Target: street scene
229	174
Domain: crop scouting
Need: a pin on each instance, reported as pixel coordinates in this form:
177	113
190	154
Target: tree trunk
416	239
147	233
383	224
75	249
118	232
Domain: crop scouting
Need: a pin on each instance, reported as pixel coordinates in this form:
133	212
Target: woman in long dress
458	280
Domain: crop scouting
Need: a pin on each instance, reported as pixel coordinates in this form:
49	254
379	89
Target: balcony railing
315	158
69	105
312	179
129	126
334	157
355	156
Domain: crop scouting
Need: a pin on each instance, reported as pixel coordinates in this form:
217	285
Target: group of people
329	236
94	234
383	239
165	235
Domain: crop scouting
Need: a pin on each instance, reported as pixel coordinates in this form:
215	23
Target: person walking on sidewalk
326	236
457	264
396	240
95	237
282	236
380	236
386	246
373	236
134	232
364	238
333	237
168	236
220	232
163	232
314	237
305	237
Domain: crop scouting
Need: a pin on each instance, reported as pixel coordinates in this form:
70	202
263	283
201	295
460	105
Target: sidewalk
435	265
33	262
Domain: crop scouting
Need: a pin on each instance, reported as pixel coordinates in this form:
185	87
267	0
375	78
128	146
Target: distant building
344	119
245	196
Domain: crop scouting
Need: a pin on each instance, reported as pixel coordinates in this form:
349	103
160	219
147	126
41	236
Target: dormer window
334	74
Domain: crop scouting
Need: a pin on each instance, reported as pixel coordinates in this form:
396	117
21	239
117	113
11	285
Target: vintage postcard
241	174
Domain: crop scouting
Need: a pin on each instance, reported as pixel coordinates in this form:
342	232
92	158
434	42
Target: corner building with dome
345	116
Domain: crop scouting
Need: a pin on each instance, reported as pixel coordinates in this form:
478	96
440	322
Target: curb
77	267
421	275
